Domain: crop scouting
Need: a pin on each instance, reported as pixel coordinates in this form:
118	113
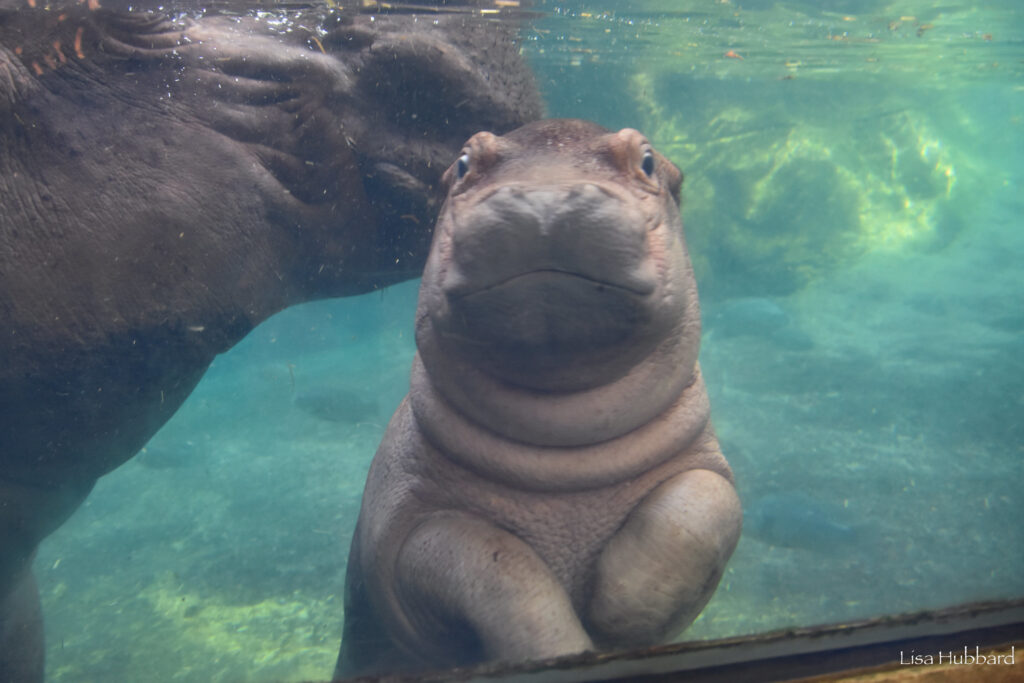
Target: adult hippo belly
166	185
551	483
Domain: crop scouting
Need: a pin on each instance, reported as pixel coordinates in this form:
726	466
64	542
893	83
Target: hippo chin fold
552	482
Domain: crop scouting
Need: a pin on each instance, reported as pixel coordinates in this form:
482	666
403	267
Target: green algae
781	199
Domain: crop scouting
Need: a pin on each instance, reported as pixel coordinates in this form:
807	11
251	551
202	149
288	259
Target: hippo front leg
457	572
660	569
21	632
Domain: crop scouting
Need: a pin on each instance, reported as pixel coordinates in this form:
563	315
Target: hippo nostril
589	192
576	190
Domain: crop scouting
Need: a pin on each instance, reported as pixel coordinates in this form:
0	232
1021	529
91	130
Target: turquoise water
853	205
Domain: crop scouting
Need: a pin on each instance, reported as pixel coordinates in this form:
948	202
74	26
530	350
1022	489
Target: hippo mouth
546	313
552	276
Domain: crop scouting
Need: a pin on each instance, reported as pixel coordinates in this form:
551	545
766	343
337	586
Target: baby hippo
551	483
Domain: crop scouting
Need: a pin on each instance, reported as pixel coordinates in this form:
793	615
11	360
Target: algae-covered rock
778	195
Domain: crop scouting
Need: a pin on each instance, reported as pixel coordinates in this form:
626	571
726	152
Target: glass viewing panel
852	206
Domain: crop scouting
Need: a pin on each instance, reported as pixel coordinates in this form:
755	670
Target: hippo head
558	261
420	86
314	140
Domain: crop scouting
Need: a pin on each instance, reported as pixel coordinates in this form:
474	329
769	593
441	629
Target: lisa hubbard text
950	657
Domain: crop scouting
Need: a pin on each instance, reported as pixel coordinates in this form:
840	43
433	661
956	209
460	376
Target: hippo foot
657	573
458	572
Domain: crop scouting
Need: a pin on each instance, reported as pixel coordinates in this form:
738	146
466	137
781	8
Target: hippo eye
647	165
462	166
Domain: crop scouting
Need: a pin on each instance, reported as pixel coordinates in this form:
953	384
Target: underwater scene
853	206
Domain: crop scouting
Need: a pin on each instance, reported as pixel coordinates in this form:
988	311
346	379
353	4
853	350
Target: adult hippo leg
456	571
657	573
21	630
34	504
21	528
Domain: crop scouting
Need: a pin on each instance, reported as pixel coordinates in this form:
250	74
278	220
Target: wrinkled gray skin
551	483
165	186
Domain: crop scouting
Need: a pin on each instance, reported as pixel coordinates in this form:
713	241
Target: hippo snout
583	230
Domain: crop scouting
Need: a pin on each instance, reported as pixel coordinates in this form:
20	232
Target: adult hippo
165	185
551	483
